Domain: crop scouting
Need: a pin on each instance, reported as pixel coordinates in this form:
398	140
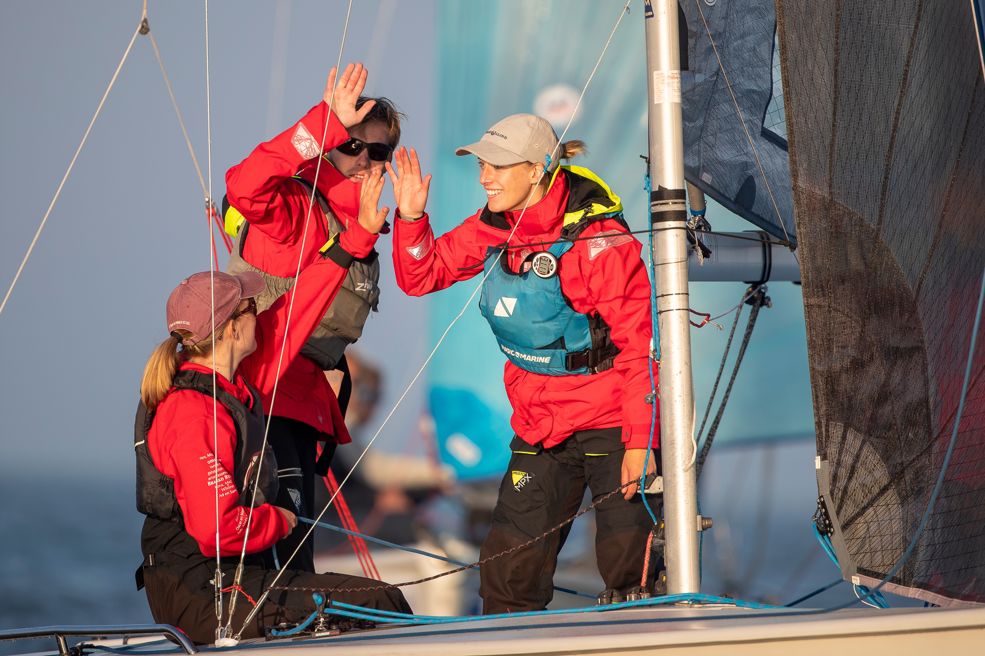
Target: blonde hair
573	148
163	364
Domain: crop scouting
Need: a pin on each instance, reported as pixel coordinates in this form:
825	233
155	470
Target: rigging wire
283	346
413	550
754	237
102	101
742	122
221	632
177	111
461	313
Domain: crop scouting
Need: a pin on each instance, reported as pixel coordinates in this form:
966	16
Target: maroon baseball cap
190	304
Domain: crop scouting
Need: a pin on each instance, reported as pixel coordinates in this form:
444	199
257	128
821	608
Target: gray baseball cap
190	304
517	138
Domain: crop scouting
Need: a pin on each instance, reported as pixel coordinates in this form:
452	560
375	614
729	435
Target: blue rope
286	633
944	465
420	552
649	362
359	612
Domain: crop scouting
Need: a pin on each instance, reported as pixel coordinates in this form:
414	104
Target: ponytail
573	148
163	364
159	372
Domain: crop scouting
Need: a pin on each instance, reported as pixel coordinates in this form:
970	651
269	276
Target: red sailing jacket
182	441
277	209
603	273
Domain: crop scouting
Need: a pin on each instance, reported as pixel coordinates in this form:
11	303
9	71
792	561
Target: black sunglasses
251	308
378	152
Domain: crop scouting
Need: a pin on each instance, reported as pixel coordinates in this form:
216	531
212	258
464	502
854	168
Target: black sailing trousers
295	448
543	487
181	593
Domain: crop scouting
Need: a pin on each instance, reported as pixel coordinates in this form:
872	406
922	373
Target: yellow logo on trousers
520	479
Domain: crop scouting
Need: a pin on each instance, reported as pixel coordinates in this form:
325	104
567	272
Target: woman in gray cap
203	478
567	296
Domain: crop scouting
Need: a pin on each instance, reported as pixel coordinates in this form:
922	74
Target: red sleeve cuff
637	436
357	241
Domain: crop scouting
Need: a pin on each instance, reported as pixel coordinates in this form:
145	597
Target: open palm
410	190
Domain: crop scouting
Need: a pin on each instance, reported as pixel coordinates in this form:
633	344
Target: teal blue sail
496	59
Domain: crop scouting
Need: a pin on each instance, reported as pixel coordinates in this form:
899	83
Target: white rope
217	580
742	122
283	346
460	314
177	111
71	165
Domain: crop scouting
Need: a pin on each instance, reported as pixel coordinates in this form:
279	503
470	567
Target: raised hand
409	189
370	217
350	86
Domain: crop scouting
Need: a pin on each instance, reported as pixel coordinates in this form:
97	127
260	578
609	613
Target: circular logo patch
544	264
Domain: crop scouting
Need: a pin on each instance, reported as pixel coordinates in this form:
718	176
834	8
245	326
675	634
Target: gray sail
746	170
885	107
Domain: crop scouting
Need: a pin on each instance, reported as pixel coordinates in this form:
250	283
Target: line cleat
636	593
660	584
610	596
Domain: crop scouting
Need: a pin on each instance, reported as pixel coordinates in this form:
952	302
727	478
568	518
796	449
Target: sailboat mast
668	215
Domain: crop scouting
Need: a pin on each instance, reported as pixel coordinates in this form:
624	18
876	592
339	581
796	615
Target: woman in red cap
203	479
567	296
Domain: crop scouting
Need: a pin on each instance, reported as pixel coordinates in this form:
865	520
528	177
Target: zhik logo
504	307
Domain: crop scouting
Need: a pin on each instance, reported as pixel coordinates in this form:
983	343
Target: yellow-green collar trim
596	208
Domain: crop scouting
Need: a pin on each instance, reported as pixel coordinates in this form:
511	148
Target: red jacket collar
237	387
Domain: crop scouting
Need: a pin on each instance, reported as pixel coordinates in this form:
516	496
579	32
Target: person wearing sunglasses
204	479
284	202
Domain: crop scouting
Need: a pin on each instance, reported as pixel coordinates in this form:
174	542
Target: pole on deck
668	215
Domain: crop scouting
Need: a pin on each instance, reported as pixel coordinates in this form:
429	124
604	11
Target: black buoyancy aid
155	491
344	320
533	321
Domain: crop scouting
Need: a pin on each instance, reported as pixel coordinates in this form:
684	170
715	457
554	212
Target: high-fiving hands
342	97
371	216
410	190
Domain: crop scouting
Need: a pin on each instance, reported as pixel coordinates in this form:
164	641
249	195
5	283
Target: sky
129	223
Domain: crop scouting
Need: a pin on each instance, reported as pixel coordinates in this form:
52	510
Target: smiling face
507	187
357	167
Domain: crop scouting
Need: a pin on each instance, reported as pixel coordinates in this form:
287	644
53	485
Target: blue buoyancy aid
535	325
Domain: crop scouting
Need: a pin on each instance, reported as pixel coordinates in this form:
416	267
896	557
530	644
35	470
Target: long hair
163	364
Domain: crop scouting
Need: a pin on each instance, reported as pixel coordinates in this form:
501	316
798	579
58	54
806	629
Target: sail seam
897	117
